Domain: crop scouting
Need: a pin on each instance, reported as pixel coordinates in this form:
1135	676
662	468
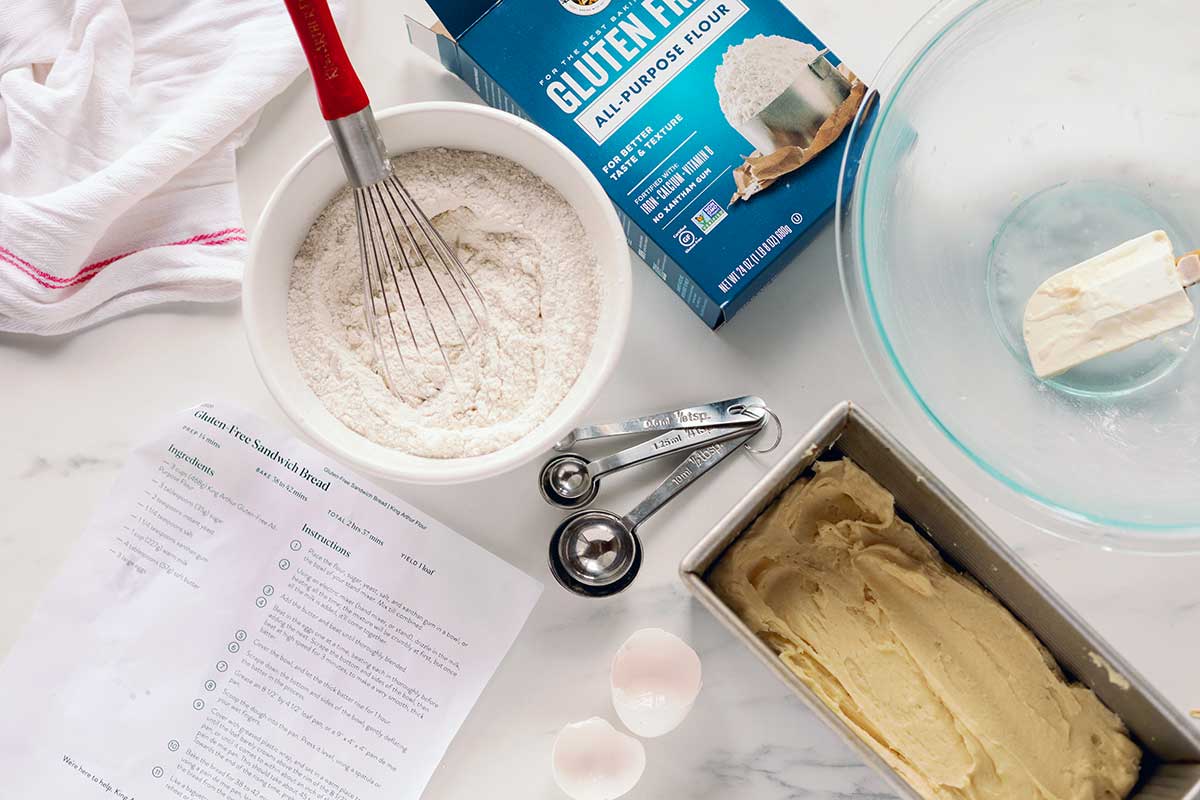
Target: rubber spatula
1126	295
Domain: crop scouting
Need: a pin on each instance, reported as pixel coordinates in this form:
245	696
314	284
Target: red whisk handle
339	90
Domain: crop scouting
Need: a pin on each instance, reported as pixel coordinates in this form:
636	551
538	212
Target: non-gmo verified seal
584	8
709	216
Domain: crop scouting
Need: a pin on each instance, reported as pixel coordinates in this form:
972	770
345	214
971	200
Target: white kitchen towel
118	125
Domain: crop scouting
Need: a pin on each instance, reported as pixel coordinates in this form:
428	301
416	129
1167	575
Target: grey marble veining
65	466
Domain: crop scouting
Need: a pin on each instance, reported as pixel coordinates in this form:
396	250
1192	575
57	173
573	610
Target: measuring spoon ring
596	553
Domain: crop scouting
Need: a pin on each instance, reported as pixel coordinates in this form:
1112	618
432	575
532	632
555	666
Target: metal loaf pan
1171	749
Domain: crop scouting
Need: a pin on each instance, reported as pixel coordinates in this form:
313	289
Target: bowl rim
1021	500
440	471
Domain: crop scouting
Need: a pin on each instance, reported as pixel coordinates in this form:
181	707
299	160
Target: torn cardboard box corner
759	171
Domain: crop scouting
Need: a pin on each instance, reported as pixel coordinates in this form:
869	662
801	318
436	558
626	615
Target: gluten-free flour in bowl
529	255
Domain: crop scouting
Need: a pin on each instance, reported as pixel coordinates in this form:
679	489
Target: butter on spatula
1130	293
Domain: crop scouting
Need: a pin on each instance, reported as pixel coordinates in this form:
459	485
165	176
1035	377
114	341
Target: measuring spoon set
597	553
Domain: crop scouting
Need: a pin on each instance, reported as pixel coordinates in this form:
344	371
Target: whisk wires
399	247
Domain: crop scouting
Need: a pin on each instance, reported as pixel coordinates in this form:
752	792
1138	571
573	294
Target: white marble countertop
73	406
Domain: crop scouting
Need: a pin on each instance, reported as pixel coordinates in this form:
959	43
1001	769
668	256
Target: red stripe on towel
51	281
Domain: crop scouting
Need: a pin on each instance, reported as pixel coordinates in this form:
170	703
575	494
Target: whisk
416	294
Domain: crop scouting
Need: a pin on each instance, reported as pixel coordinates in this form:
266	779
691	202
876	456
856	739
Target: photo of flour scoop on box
785	98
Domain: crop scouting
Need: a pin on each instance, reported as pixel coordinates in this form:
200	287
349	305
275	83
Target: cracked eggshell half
655	681
592	760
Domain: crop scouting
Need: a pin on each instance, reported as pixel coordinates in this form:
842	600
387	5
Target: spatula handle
339	90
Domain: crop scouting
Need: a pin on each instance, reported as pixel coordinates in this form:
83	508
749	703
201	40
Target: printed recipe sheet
245	618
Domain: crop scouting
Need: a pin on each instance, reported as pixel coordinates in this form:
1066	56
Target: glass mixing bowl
1008	140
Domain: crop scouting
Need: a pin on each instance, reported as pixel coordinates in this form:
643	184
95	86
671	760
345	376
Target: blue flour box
712	124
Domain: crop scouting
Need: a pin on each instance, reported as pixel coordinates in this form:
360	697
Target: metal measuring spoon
571	481
709	415
596	553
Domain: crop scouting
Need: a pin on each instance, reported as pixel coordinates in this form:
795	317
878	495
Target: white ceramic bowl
309	186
